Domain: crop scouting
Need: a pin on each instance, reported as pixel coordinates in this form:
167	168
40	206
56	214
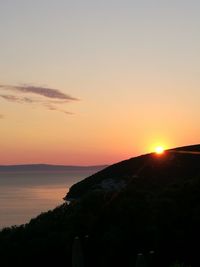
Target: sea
24	195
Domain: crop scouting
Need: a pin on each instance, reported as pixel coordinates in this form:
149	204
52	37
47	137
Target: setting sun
159	150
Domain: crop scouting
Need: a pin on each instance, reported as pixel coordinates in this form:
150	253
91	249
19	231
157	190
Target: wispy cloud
39	90
1	116
49	98
53	107
17	99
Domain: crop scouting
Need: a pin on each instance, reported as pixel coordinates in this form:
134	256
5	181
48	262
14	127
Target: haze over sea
24	195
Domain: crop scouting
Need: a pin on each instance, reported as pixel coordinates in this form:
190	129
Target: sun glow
159	150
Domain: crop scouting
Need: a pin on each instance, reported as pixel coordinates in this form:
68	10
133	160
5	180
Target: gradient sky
94	82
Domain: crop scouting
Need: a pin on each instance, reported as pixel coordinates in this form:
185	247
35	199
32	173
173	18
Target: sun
159	150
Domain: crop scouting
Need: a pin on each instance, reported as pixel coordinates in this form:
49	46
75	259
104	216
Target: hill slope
174	164
145	203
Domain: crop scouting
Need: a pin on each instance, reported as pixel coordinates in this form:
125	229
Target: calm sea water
25	195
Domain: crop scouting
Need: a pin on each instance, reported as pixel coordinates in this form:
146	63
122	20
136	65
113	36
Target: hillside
146	203
170	167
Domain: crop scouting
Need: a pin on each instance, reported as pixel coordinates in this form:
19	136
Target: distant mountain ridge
47	167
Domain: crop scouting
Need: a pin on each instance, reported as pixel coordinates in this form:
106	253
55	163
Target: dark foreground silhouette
148	205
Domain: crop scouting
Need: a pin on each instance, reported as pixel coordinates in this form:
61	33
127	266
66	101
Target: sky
88	82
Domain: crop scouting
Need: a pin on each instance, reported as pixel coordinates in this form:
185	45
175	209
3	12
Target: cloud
17	99
52	107
49	98
1	116
39	90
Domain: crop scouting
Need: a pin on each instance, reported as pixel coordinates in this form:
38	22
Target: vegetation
178	265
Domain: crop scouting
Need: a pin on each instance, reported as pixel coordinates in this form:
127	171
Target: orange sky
97	83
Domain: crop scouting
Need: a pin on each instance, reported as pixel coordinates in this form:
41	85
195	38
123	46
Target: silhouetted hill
174	166
47	168
147	203
188	148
